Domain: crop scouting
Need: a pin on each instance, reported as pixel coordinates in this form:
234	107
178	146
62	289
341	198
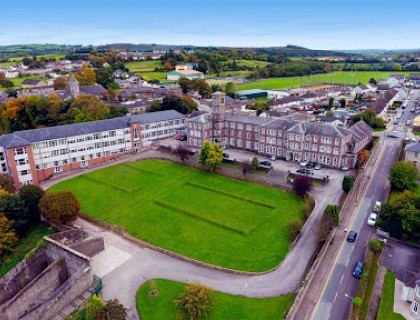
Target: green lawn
144	66
249	63
386	307
22	248
416	133
345	77
208	217
225	306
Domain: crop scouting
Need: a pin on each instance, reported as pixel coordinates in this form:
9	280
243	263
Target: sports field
204	216
341	77
225	306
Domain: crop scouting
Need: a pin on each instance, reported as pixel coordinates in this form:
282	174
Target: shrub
403	175
357	302
308	206
31	195
302	185
375	245
348	183
195	303
294	227
332	211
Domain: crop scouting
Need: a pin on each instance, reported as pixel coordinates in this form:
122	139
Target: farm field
248	63
144	66
13	60
211	218
342	77
225	306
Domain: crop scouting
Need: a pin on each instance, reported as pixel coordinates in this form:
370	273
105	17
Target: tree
8	236
347	183
95	308
60	83
329	113
185	85
205	149
373	81
195	303
246	167
87	77
343	103
294	227
202	87
332	211
6	183
302	185
14	209
59	207
104	77
31	195
88	108
255	163
326	224
403	175
115	310
182	152
189	104
375	245
230	89
363	155
330	103
214	157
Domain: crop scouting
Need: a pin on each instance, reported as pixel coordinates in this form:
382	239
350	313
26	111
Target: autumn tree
211	155
87	77
185	85
31	196
88	108
403	175
302	185
202	87
60	83
8	236
59	207
195	303
363	155
6	183
230	89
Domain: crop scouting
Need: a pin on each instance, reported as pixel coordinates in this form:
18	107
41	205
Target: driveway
124	266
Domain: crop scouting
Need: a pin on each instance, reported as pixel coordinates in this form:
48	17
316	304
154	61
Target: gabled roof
361	129
32	82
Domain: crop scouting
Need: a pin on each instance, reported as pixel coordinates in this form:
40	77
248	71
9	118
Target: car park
318	166
358	270
265	163
371	221
352	236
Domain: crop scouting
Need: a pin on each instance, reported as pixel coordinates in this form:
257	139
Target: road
341	286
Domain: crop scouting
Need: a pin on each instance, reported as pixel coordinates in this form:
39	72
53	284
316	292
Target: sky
315	24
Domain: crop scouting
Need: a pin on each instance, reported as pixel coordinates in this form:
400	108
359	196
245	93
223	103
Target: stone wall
39	289
20	276
90	247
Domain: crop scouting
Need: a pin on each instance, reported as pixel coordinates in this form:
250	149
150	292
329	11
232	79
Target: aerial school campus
237	181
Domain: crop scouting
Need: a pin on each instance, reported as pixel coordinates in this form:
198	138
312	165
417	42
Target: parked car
377	206
304	163
183	138
265	163
371	221
310	165
273	158
392	135
352	236
358	270
225	155
179	137
304	171
318	166
344	168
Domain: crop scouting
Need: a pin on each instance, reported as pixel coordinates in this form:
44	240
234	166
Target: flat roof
251	91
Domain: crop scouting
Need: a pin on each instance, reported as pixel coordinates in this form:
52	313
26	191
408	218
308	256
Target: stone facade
285	139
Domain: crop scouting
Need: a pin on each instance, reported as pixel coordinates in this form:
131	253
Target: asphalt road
341	285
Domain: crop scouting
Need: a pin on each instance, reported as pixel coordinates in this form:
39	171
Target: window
248	135
20	151
415	307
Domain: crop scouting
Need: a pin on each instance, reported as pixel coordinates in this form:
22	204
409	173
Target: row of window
155	125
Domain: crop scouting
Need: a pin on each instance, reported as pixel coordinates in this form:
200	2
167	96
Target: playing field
204	216
341	77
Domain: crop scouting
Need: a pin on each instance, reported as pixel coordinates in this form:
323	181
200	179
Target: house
415	305
334	121
251	94
412	153
274	94
414	80
185	66
291	140
285	102
274	114
32	83
32	156
189	74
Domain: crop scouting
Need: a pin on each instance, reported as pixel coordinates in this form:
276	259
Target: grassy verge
386	307
238	167
226	306
192	212
416	133
369	290
379	129
22	248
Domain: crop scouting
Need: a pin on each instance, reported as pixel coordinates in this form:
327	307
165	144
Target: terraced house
285	139
32	156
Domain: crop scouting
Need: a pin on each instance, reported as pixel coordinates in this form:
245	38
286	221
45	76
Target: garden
207	217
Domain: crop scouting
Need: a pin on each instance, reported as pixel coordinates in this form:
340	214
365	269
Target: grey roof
413	147
22	138
280	124
361	129
245	119
329	119
31	82
320	129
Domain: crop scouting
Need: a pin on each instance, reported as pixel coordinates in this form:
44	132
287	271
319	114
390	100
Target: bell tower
73	86
218	106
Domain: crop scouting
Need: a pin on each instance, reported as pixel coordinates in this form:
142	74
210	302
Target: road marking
368	183
347	263
341	281
335	296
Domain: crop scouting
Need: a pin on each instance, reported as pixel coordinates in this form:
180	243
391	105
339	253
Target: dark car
318	166
358	269
265	163
225	155
352	236
184	138
392	135
310	165
304	171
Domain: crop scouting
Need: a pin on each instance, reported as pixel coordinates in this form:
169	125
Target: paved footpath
124	265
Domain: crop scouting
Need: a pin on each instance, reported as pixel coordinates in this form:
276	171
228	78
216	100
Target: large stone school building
289	140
